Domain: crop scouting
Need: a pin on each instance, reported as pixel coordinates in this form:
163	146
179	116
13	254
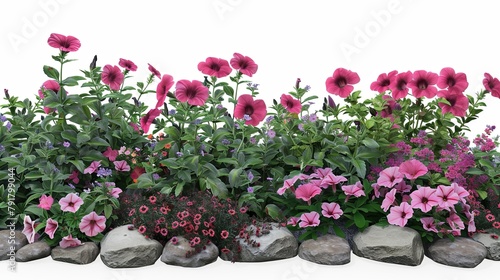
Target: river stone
33	251
19	238
83	254
462	252
176	254
491	244
391	244
327	249
123	247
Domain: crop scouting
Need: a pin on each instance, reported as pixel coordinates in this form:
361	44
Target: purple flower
250	189
156	176
269	119
2	148
269	178
253	140
172	112
66	144
250	176
313	118
179	154
104	172
301	127
225	142
247	117
3	118
307	88
271	133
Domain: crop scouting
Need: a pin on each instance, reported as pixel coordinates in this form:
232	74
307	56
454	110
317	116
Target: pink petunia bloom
154	71
46	202
383	81
121	165
30	229
412	169
400	215
92	224
70	203
253	111
92	167
110	154
244	64
216	67
423	84
402	187
291	104
51	227
331	210
64	43
115	192
127	64
162	89
389	199
461	191
429	224
455	82
307	191
492	85
356	190
293	221
310	219
52	85
192	92
69	241
459	103
341	82
74	177
399	85
447	197
455	222
424	198
149	118
112	76
390	177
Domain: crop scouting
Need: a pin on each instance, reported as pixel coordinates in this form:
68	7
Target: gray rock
15	239
33	251
492	245
462	252
83	254
122	247
176	254
326	249
391	244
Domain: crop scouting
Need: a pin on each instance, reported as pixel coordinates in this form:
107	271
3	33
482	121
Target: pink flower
46	202
64	43
461	191
293	221
127	64
453	82
216	67
154	71
70	203
52	85
69	241
74	177
51	227
115	192
92	224
244	64
149	118
389	199
412	169
455	222
423	84
121	165
447	197
399	85
253	111
428	224
291	104
331	210
355	190
459	103
307	191
30	229
192	92
400	215
162	89
383	82
403	187
110	154
112	76
492	85
390	177
310	219
92	167
341	82
424	198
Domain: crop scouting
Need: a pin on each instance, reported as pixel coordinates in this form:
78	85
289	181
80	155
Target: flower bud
93	63
297	83
6	91
331	103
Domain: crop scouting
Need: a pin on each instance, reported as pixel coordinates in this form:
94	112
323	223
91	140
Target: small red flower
152	199
157	229
225	250
243	210
174	240
490	217
175	224
211	232
224	234
231	212
143	209
131	213
142	229
164	210
164	231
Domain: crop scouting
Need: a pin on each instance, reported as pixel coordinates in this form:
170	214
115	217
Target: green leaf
370	143
97	141
359	220
82	138
482	194
274	212
51	72
360	167
234	177
78	164
69	135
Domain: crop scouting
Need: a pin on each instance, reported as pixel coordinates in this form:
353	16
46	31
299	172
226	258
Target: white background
288	40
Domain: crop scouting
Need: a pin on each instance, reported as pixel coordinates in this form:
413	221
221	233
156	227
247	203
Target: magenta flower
51	227
162	89
447	197
52	85
115	192
399	85
112	76
455	82
383	82
331	210
70	203
244	64
110	154
402	187
64	43
92	224
429	224
92	167
307	191
423	84
69	241
390	177
400	215
389	199
253	111
192	92
46	202
154	71
492	85
424	198
293	221
355	190
341	82
412	169
127	64
310	219
121	165
30	229
149	118
216	67
291	104
459	103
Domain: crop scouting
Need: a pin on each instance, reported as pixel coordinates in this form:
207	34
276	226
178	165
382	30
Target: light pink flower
389	199
192	92
30	229
383	81
127	64
51	227
69	241
244	64
412	169
149	118
291	104
461	191
121	165
64	43
399	85
400	215
447	197
293	221
112	76
110	154
355	190
216	67
92	224
92	167
455	82
455	222
162	89
115	192
46	202
423	84
309	219
424	198
253	111
428	224
70	203
307	191
341	82
390	177
331	210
